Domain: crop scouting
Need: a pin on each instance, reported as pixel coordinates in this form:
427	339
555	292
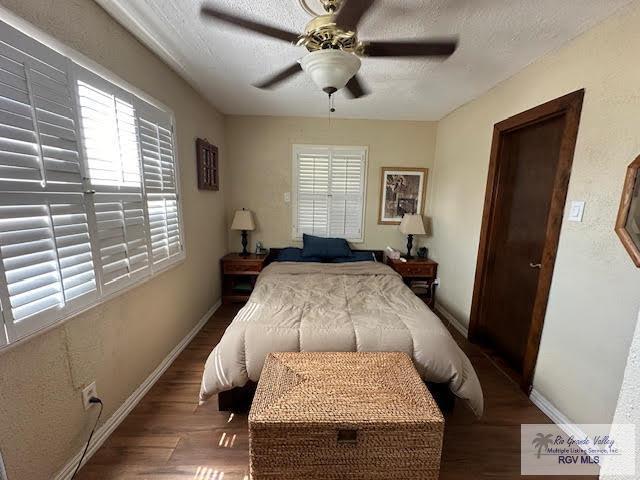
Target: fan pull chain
332	107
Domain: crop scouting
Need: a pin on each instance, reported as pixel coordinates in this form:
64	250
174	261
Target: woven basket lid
342	388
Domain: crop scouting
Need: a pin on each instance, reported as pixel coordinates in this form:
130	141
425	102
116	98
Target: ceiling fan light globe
330	69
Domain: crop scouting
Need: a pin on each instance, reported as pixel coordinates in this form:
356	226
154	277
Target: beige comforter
313	307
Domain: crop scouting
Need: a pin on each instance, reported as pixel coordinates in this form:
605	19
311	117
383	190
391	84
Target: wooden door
528	180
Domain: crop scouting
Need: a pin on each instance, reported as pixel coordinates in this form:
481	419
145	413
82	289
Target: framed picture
628	223
403	190
207	158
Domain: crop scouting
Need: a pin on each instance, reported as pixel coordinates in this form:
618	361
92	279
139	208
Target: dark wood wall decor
207	158
628	223
514	139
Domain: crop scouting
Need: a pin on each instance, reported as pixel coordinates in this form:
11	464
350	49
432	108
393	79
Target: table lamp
411	225
243	221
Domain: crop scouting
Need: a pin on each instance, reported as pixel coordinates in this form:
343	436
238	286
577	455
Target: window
89	202
329	191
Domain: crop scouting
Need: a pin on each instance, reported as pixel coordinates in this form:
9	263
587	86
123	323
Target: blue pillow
356	257
325	248
291	254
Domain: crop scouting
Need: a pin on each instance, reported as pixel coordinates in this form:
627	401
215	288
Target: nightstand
419	274
239	275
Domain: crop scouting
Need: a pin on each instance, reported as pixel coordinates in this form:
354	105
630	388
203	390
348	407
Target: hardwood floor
169	437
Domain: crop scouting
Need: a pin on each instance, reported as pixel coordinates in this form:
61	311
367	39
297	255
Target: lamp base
245	242
409	246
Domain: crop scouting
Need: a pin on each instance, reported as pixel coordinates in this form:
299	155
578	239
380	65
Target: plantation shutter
112	154
329	196
47	264
347	194
313	192
160	183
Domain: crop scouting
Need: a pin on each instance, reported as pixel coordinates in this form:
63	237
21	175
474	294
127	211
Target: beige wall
118	344
260	164
595	296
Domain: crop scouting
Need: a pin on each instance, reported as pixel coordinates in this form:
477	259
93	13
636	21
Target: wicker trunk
339	416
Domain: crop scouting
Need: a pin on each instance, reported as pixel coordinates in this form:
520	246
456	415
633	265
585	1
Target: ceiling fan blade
411	48
275	79
351	13
356	88
242	22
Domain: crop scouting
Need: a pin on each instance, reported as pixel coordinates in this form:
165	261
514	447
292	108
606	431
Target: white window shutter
47	264
347	193
81	217
160	183
121	232
110	135
29	258
329	191
313	192
75	258
112	154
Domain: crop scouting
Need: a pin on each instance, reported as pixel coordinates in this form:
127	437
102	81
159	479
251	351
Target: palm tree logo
542	441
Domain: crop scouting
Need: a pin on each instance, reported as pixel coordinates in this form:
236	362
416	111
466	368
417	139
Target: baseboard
556	416
453	321
119	415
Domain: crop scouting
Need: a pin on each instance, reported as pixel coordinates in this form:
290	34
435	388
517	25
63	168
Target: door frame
569	105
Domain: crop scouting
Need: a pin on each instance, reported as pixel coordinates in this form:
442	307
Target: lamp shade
412	224
243	220
330	69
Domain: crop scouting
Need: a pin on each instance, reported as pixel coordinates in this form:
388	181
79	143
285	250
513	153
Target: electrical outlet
88	392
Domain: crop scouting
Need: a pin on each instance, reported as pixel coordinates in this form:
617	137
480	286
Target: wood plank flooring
169	437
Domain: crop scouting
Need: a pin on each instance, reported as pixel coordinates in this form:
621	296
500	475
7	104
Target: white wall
595	292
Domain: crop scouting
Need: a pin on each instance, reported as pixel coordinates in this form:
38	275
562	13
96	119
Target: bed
336	307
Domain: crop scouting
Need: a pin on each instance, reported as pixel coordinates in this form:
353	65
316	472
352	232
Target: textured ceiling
497	39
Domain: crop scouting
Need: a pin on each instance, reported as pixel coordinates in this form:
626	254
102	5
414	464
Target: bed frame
239	400
273	254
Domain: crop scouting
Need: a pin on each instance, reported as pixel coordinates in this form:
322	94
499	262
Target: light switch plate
287	197
576	212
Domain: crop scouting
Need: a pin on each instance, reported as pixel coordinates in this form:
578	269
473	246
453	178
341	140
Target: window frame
74	63
298	148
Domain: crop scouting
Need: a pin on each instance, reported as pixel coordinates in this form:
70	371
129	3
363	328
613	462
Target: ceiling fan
334	49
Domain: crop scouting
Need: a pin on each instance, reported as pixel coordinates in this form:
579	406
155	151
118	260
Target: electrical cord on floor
91	400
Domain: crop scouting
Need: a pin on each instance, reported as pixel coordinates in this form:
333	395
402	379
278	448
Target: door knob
536	265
